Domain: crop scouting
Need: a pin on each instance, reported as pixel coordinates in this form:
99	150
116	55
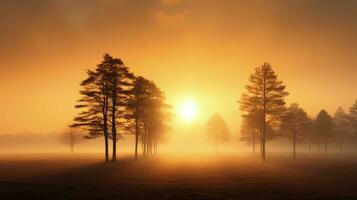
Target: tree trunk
146	142
143	142
318	147
260	134
105	130
106	146
340	145
325	146
264	132
310	147
150	146
294	145
263	116
136	138
114	128
114	156
294	137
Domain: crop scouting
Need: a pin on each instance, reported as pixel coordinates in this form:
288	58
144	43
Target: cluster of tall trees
115	102
263	105
267	117
150	114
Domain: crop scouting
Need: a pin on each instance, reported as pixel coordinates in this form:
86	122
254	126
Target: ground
177	177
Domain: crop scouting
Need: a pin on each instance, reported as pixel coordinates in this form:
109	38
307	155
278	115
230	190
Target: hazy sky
201	50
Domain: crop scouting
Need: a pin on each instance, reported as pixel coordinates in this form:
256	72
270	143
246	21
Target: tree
217	130
110	100
265	94
342	129
353	117
323	126
150	115
156	118
94	105
250	130
119	79
70	138
136	105
296	124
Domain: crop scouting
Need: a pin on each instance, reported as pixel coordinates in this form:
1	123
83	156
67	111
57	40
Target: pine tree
150	115
250	130
157	117
94	105
265	94
104	94
353	118
323	127
136	105
119	79
295	124
342	127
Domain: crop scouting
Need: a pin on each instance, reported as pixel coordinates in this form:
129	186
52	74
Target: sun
188	110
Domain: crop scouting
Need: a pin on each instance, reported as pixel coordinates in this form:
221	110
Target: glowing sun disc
188	110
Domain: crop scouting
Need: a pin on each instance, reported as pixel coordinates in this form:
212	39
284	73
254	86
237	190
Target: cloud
165	18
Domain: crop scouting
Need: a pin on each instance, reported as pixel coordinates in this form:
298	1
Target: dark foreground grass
179	177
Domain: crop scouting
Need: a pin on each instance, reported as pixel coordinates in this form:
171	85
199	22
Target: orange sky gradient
202	50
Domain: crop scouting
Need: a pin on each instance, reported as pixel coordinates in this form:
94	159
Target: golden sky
200	50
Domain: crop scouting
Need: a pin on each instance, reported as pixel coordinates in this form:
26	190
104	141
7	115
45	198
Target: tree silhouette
156	118
353	117
342	128
150	115
217	130
250	130
323	127
104	94
136	104
112	97
94	105
295	123
265	94
119	79
70	138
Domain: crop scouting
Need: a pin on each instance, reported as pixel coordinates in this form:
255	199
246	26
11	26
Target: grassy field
177	177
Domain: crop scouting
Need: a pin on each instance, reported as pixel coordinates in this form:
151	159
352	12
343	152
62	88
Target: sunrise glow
188	110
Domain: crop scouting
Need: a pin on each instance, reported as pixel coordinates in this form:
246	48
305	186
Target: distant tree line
266	117
115	102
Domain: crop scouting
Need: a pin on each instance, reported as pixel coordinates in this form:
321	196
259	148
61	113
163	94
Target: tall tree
265	94
353	118
157	117
150	115
342	128
94	105
323	126
217	130
136	105
295	123
119	79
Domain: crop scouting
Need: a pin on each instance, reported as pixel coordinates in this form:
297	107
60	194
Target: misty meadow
178	99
